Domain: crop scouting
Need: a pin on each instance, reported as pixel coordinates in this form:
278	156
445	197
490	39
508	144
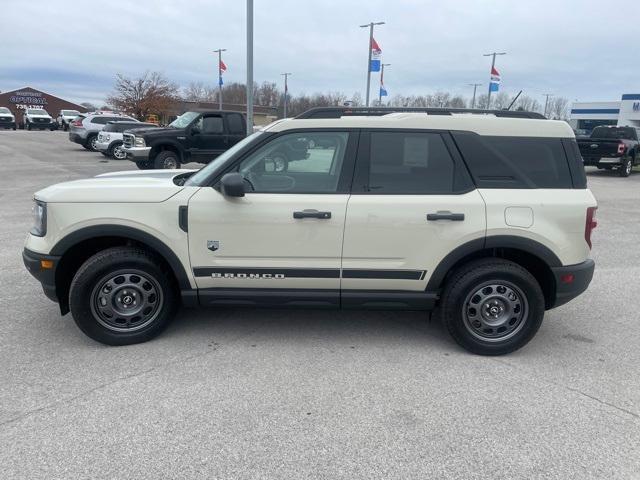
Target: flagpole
381	82
493	64
370	26
475	86
286	92
249	67
219	52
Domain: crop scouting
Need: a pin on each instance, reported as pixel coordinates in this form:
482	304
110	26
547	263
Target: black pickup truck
192	137
612	147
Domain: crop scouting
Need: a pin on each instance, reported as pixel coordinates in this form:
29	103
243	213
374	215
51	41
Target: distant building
588	115
29	97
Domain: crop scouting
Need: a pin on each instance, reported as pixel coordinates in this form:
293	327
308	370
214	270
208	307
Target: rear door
412	203
209	140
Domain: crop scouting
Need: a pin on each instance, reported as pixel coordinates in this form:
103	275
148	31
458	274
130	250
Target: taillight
590	224
77	123
621	148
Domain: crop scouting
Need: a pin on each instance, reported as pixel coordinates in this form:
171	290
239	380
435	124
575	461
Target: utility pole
286	91
219	52
381	82
249	67
546	102
475	86
493	64
370	27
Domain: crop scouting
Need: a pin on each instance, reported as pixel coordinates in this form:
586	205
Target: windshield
4	110
36	111
69	113
197	178
612	132
183	120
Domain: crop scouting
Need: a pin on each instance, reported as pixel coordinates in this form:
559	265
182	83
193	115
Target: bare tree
526	103
149	93
559	108
89	106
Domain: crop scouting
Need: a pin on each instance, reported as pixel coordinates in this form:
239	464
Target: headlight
139	142
107	137
39	212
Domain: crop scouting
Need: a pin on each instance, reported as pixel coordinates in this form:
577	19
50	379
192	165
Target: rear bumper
137	153
76	138
46	277
571	281
596	161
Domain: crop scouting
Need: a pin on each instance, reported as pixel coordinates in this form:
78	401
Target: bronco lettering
248	275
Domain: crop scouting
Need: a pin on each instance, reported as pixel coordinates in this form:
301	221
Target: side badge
213	245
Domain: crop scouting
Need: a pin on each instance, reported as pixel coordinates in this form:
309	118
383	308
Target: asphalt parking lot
239	393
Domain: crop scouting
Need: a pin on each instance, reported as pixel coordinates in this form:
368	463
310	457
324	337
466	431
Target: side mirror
232	185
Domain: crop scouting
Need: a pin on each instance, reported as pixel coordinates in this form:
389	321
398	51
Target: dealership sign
636	106
28	99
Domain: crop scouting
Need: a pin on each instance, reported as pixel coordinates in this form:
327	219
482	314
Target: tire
166	159
65	127
145	165
14	126
91	143
117	152
122	296
626	167
28	125
492	306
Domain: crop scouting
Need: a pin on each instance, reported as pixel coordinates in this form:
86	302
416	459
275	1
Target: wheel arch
167	145
75	248
535	257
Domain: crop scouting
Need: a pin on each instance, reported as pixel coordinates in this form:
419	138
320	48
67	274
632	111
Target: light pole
475	86
286	91
381	82
219	52
370	27
249	67
493	64
546	102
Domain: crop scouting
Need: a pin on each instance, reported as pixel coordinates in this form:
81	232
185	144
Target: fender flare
96	231
497	241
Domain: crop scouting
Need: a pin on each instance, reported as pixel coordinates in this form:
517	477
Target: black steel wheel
492	306
123	295
167	159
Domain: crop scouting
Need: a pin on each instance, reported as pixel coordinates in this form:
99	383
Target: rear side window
212	125
515	162
410	163
236	123
102	120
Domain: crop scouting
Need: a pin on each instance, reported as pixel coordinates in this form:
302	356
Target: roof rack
338	112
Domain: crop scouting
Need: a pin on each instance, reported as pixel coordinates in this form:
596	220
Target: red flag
222	66
494	72
374	46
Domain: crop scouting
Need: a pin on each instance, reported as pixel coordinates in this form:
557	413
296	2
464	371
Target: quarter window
410	163
306	162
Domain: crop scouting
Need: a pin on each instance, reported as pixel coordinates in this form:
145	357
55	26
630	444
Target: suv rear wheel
122	296
492	306
167	159
91	143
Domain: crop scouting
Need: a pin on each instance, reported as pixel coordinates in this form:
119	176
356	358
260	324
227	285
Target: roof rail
338	112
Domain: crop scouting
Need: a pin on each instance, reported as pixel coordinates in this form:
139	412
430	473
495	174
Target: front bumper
46	276
136	154
7	124
571	281
102	146
41	125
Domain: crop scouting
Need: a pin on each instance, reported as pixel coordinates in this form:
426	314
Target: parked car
85	128
37	118
612	147
109	141
192	137
485	217
65	117
7	119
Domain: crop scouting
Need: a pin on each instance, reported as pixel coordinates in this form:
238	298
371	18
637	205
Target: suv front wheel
492	306
122	296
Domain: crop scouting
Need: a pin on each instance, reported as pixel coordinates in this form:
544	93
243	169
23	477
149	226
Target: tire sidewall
92	272
159	161
455	298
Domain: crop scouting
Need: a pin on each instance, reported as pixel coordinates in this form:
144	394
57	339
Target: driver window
303	162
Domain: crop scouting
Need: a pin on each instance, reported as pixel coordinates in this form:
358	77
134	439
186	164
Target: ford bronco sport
483	217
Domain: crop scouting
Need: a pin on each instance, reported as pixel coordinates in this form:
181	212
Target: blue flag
383	91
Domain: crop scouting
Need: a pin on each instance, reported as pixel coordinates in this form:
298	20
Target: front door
412	203
286	232
209	139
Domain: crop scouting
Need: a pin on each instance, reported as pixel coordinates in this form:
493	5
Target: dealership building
624	112
27	97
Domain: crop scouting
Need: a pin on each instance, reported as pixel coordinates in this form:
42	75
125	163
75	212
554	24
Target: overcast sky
585	50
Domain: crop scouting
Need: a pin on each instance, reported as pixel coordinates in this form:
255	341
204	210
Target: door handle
445	215
312	214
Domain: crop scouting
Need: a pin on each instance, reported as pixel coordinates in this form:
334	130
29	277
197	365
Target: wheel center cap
127	300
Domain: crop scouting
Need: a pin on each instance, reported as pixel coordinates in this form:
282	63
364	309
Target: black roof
338	112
